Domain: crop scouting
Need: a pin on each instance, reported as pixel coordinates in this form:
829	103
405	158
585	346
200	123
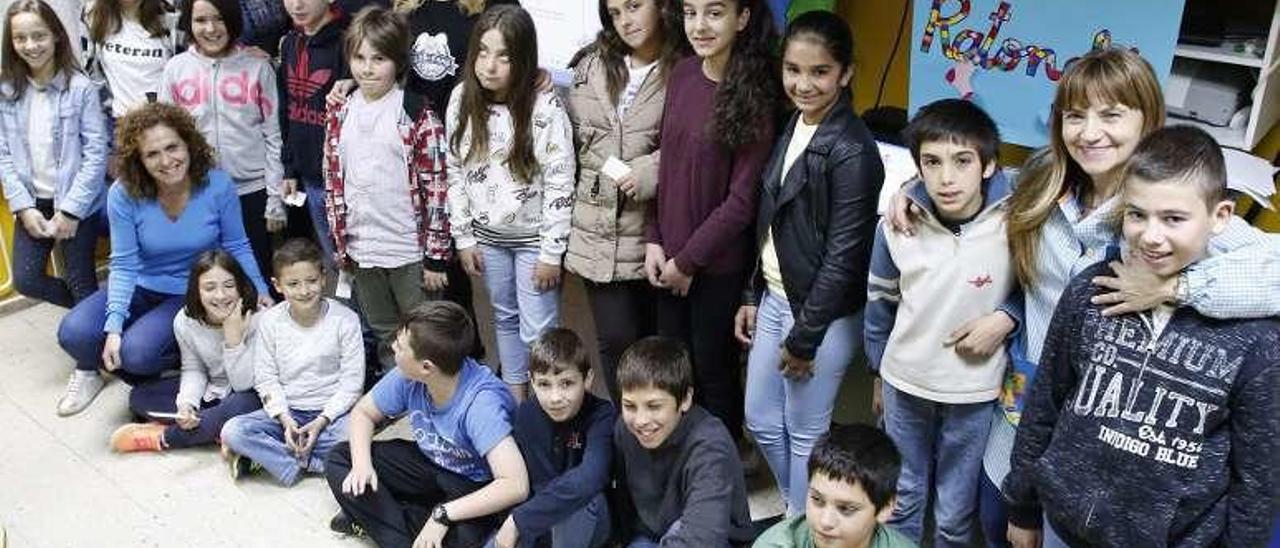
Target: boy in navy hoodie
1156	428
311	60
565	434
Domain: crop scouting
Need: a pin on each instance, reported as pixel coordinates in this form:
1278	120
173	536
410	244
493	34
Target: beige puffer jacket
606	243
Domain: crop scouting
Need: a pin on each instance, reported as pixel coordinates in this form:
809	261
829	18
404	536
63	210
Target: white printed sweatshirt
488	205
233	100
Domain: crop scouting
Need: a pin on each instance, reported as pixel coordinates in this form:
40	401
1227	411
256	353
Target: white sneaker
82	387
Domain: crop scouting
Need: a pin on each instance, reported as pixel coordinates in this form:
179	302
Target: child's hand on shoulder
979	339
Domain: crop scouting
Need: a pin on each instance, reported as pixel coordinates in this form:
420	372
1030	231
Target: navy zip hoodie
309	65
1137	437
569	463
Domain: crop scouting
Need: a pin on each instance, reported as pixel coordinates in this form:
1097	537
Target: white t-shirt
381	228
133	62
635	78
41	115
768	255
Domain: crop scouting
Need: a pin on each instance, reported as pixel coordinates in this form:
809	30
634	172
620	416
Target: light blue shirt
457	435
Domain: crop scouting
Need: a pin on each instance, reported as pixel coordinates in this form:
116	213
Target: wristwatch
441	516
1182	291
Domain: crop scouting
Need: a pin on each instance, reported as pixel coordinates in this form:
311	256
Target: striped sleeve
883	296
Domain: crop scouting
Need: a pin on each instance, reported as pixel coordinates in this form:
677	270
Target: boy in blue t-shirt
451	484
566	436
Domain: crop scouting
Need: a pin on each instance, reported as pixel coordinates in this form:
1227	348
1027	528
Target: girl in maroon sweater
716	136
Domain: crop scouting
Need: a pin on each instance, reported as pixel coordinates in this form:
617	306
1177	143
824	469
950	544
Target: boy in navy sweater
1159	428
565	434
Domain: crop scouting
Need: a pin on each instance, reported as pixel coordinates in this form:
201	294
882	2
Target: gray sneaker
82	387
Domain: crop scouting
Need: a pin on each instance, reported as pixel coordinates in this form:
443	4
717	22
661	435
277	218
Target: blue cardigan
150	250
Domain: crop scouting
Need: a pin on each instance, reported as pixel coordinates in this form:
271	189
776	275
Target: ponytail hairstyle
106	18
825	29
751	90
13	69
1103	76
521	40
612	51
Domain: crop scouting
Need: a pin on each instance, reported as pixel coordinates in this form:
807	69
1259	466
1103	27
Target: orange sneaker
138	437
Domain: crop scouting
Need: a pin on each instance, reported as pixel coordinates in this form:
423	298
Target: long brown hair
106	17
518	34
206	261
14	70
1105	76
613	51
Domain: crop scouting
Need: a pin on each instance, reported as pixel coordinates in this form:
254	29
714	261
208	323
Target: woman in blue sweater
167	207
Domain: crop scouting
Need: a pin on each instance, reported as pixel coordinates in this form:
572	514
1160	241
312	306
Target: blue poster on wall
1007	55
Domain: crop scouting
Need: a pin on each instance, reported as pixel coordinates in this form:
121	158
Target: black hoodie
309	65
694	477
1133	439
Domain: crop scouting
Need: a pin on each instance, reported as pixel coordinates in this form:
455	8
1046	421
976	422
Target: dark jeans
159	396
704	321
992	513
624	312
31	256
252	208
147	345
409	486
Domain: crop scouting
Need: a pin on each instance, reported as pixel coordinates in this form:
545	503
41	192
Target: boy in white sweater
935	320
309	372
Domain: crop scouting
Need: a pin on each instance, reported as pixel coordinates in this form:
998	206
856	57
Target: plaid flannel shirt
428	186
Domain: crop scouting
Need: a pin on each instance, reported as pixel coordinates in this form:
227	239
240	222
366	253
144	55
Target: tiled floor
60	485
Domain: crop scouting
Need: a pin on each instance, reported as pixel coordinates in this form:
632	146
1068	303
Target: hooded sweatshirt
694	477
1138	432
309	65
234	102
923	288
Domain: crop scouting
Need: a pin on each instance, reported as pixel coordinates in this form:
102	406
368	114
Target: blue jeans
521	313
992	513
31	256
952	435
320	222
786	416
147	346
160	395
261	438
572	532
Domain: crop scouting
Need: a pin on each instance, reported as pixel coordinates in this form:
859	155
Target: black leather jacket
823	220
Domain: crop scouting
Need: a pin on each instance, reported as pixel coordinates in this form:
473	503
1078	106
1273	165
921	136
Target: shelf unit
1265	102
